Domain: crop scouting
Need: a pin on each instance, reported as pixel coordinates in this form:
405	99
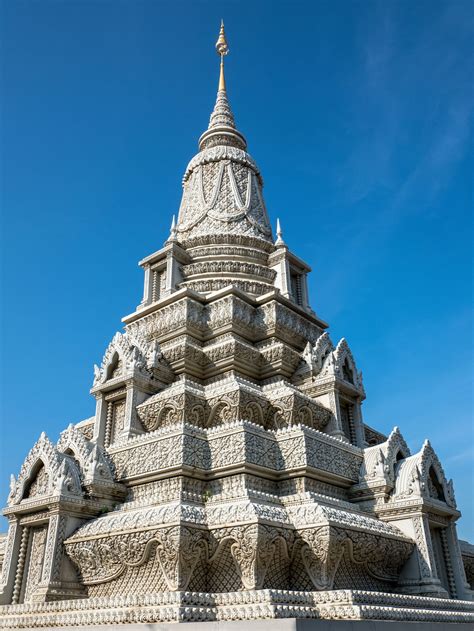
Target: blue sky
358	116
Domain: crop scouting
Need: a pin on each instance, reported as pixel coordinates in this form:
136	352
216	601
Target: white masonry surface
228	473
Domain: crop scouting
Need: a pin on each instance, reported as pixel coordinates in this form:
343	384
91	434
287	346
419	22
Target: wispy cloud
416	95
465	456
412	112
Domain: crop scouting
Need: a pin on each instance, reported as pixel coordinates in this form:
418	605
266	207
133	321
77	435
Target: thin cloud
464	456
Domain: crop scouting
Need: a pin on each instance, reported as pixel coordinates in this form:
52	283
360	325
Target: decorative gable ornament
340	364
58	472
127	356
422	476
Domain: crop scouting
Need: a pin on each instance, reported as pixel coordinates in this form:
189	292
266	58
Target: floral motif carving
220	190
252	548
177	549
40	484
324	547
321	553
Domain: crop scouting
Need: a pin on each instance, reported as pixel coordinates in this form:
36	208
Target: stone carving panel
177	551
300	447
222	195
34	566
293	408
159	454
252	549
322	549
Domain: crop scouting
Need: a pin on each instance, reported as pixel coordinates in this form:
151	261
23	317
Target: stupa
228	474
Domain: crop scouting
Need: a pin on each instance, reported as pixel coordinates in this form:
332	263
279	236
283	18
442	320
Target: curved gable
380	460
73	441
42	454
89	456
422	475
341	363
47	471
131	353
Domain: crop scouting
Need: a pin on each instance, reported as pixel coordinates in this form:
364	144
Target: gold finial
222	49
221	44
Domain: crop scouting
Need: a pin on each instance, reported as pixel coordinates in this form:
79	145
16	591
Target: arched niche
347	371
435	486
115	367
38	483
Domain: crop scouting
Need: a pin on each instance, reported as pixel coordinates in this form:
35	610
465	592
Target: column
12	571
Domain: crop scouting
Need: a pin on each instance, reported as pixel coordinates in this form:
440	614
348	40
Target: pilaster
462	587
10	563
134	397
100	419
358	423
335	425
147	288
420	577
279	262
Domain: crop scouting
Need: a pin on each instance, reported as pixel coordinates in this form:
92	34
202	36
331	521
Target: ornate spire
222	199
222	130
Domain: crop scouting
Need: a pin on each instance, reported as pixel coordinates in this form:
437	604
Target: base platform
338	610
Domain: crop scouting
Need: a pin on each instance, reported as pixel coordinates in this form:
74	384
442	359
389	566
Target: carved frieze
183	315
288	325
161	452
321	551
177	549
301	447
277	358
291	407
182	402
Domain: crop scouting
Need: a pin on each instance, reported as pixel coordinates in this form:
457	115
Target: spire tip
222	49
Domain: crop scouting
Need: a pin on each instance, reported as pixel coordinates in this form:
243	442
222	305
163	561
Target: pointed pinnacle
279	231
173	235
222	118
